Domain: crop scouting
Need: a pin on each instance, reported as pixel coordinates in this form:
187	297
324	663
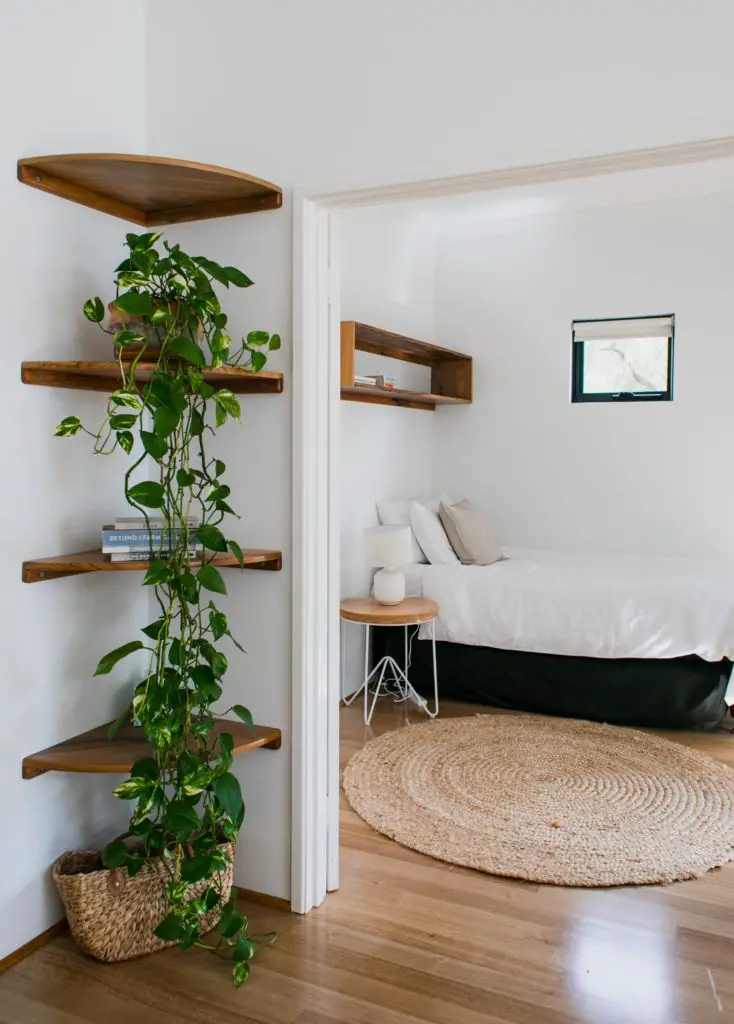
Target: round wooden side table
391	678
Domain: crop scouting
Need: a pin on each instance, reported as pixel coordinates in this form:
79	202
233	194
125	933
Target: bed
624	639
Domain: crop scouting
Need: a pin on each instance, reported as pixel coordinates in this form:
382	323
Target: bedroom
597	497
501	277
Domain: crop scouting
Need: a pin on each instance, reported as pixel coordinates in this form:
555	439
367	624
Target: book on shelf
124	538
375	380
154	523
144	555
111	549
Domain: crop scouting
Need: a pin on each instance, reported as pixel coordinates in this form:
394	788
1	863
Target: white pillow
431	535
469	534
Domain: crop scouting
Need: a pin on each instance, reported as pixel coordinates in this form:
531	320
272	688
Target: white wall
336	94
388	278
348	93
62	92
650	478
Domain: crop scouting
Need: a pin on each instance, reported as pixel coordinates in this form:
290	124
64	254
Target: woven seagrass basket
112	916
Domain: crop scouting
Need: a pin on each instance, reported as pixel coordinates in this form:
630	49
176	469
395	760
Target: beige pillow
469	534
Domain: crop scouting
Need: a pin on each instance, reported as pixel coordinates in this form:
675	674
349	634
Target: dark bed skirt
678	693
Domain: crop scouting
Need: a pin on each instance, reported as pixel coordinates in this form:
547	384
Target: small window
625	360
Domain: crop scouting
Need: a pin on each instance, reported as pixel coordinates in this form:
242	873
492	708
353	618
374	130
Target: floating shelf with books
95	752
105	376
451	372
38	570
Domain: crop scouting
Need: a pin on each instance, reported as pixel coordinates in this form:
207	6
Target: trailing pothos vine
188	802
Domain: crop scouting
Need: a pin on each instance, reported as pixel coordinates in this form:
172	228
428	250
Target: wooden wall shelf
395	396
94	752
451	372
105	376
38	570
149	190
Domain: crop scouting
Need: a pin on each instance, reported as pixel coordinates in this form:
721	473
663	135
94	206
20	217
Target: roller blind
642	327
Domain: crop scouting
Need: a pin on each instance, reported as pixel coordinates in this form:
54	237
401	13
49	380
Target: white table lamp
387	548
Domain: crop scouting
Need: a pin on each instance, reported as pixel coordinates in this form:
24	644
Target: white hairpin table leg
383	665
353	696
435	672
367	670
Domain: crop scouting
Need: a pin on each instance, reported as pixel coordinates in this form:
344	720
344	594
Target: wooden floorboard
410	940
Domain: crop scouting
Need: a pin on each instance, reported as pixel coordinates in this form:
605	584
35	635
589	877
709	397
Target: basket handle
116	881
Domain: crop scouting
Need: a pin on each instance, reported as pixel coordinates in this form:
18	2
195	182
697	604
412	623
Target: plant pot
154	336
111	915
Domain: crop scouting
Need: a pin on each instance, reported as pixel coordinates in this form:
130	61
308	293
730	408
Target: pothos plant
188	804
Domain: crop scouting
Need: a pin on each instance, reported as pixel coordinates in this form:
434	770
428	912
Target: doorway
317	477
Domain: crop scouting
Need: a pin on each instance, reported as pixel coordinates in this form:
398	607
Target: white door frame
316	354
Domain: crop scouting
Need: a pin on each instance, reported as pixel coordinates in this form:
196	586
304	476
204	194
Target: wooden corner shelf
38	570
105	376
94	752
149	190
451	372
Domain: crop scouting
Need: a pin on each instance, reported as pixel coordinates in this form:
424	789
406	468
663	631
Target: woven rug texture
549	800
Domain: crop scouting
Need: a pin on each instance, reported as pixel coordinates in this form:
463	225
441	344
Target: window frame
579	396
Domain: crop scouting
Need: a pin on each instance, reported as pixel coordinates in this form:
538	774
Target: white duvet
593	605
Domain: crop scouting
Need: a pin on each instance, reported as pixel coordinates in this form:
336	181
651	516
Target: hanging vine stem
188	804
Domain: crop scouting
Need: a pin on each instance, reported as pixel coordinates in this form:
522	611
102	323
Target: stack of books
376	380
131	539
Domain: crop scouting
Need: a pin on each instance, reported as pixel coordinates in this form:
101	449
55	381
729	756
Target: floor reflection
623	974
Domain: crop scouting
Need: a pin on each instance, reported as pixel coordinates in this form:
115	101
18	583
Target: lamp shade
388	546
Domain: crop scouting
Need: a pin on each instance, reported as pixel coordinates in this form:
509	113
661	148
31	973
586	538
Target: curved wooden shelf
57	567
105	376
94	752
149	190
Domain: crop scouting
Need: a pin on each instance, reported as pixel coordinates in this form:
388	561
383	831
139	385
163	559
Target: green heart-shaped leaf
158	572
125	440
211	579
93	310
244	715
114	855
154	445
237	278
188	350
68	427
147	493
165	421
108	662
135	303
227	791
212	537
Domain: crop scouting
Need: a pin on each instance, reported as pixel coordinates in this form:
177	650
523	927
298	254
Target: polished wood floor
409	940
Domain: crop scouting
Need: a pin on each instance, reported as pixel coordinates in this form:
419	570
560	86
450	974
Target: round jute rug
547	799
